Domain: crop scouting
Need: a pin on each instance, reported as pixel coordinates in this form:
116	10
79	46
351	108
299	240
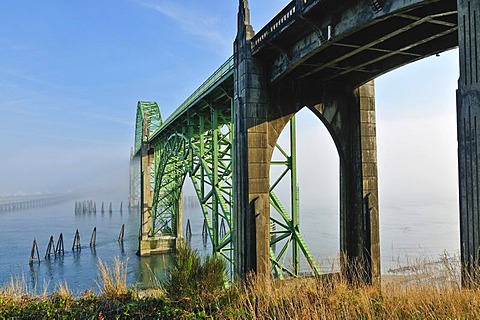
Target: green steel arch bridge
317	54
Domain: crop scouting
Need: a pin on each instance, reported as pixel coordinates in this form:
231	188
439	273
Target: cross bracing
202	152
196	143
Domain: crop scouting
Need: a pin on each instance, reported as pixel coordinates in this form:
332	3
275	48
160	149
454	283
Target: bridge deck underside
219	96
308	51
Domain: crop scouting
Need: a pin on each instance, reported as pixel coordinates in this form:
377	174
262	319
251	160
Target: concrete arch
349	116
285	214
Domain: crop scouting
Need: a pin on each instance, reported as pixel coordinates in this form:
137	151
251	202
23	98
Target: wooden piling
76	241
122	233
60	248
188	231
32	253
50	247
205	232
102	208
223	229
110	208
93	238
121	206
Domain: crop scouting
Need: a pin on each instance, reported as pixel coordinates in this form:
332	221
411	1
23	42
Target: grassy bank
196	290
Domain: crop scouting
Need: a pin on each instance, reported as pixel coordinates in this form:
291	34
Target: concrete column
251	167
179	222
368	130
147	193
353	123
468	135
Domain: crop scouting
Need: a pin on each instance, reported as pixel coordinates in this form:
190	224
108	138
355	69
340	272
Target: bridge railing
280	20
275	24
217	75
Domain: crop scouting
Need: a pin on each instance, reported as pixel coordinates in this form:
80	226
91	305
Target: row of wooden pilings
188	231
89	206
58	249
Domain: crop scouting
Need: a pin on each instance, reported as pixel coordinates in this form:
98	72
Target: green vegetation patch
197	289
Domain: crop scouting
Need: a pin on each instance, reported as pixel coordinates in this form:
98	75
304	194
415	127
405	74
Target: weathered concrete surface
147	192
349	116
156	245
365	96
261	113
468	113
354	41
146	201
251	171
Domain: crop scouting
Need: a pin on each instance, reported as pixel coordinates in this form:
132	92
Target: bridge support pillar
146	200
468	130
355	129
179	221
251	167
150	243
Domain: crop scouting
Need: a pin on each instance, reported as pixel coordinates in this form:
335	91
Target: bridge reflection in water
317	54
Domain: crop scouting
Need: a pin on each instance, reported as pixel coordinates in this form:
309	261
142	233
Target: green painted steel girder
149	119
285	224
196	142
202	151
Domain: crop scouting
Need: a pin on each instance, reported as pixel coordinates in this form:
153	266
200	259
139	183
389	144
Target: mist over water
78	269
408	233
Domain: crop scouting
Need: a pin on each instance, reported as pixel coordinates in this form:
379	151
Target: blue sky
71	73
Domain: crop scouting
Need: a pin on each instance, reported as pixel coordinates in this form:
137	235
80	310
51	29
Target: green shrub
193	283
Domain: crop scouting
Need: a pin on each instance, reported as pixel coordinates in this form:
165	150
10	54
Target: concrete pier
468	115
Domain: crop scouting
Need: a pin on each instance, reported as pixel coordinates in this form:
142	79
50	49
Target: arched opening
417	162
317	190
193	220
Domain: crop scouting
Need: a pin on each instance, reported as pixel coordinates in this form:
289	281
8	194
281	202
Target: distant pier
12	203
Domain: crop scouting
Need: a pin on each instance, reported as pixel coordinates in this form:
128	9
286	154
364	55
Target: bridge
317	54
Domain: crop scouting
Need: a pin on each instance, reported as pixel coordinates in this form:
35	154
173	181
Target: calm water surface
79	269
410	232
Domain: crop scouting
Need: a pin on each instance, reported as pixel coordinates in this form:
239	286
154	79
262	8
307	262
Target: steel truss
201	148
285	224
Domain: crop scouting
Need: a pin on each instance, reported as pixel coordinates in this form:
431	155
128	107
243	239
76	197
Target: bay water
413	231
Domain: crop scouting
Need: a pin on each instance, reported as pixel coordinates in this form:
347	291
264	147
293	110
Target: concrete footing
156	245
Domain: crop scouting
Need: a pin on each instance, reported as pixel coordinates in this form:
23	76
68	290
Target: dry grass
113	279
62	290
318	299
429	290
424	290
16	289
